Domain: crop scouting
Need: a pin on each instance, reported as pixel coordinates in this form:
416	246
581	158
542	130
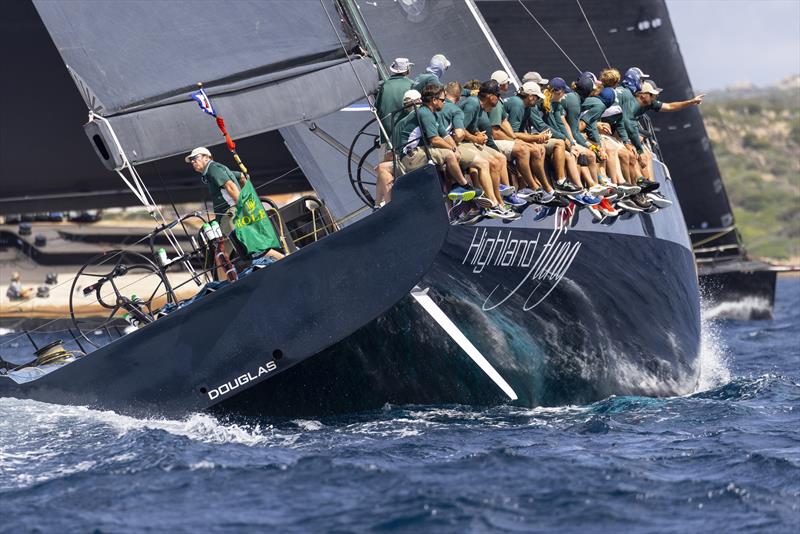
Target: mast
356	22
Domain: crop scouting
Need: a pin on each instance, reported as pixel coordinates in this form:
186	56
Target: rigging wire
608	64
548	34
372	108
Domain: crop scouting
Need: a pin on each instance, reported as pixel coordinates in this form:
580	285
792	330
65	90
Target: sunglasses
194	158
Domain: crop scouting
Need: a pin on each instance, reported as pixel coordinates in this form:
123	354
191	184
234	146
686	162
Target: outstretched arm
677	106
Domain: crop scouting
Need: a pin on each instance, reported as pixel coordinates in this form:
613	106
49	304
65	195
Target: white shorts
505	147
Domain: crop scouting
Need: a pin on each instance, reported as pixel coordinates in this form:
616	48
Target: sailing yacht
396	306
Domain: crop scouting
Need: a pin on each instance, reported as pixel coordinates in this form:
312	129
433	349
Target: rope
608	64
372	108
548	34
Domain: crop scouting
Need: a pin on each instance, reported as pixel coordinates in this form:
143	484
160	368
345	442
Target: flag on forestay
204	102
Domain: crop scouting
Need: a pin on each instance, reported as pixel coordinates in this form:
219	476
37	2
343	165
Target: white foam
714	361
739	310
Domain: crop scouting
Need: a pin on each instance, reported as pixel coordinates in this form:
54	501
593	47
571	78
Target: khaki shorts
611	141
505	147
551	145
226	221
469	152
417	158
492	152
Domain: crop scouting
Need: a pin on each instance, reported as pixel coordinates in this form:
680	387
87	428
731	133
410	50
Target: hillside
755	133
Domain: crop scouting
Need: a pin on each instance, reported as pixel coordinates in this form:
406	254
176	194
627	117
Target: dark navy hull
245	334
587	311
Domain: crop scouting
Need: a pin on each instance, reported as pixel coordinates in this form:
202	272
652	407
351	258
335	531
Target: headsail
268	65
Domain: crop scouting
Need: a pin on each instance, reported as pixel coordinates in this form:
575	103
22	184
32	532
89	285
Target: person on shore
15	290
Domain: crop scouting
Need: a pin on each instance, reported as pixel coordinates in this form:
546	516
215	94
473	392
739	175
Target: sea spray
713	361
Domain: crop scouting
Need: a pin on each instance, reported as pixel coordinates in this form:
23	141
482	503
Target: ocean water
724	459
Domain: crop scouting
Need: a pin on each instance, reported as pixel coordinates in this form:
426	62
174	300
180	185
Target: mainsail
267	65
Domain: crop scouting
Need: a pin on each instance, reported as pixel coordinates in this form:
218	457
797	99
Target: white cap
441	59
531	88
401	65
196	152
412	95
638	71
501	77
649	87
534	77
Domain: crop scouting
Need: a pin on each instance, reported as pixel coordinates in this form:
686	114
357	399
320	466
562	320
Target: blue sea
725	459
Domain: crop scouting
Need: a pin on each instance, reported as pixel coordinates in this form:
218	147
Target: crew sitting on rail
420	128
528	155
385	169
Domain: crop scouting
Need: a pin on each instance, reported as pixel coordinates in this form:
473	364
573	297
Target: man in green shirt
223	186
570	101
421	127
390	95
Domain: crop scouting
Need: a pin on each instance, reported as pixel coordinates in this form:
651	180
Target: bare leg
625	164
385	181
537	165
522	155
485	179
498	169
454	168
612	163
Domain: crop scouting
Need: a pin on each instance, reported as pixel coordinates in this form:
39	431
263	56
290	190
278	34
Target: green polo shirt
572	112
451	117
390	99
639	110
518	115
591	110
216	175
551	119
498	114
409	130
426	78
476	119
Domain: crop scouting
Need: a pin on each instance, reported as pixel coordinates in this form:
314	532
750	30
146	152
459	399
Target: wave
742	310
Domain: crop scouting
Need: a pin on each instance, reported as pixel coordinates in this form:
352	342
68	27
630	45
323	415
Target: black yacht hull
566	314
739	289
244	335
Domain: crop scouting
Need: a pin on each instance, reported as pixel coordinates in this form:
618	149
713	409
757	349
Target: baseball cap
401	65
412	95
196	152
531	88
534	77
607	96
490	88
443	61
591	76
638	72
650	87
558	84
500	76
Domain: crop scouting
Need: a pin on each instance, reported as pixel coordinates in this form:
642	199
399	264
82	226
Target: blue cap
607	96
590	75
558	84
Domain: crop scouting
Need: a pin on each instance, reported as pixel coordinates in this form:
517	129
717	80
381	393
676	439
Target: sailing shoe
642	201
506	190
461	193
515	201
659	200
483	202
499	212
544	212
629	205
590	200
627	189
526	193
608	209
648	186
567	188
470	217
598	189
596	212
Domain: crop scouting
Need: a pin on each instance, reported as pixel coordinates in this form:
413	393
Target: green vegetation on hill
756	140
